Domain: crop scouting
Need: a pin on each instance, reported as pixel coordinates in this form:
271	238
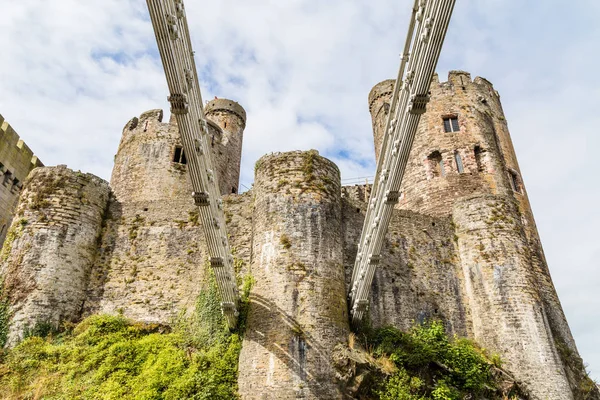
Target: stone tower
151	262
230	117
463	165
51	247
298	309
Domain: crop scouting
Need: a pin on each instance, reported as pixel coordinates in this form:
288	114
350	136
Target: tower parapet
16	162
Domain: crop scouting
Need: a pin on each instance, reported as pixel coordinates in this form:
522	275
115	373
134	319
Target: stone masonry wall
16	161
419	278
152	258
508	316
49	251
298	309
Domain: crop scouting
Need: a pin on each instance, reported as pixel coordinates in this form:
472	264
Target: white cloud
74	72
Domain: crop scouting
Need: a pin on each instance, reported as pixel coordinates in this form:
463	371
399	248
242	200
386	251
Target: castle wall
298	309
16	161
152	256
419	277
47	257
508	316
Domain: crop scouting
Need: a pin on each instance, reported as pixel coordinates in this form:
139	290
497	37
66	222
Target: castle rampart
50	248
16	161
298	312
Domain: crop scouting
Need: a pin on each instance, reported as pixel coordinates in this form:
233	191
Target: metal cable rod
427	30
172	35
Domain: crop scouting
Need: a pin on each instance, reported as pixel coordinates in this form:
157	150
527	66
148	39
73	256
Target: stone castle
462	246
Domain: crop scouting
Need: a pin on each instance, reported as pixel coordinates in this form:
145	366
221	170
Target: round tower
457	150
231	118
298	309
507	314
50	248
462	149
150	164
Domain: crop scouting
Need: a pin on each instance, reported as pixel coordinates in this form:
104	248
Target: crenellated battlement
10	137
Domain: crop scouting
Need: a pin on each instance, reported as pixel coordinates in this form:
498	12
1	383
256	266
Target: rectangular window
451	124
179	155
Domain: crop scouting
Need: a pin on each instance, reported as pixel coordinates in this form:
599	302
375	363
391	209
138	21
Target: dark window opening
225	125
451	124
7	177
179	155
515	181
479	158
436	164
459	164
233	190
358	210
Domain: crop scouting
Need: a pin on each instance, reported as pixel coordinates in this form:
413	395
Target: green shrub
109	357
429	365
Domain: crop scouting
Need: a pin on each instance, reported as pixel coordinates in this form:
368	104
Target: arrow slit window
459	164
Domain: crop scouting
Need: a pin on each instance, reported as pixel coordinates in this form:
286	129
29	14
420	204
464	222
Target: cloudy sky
73	72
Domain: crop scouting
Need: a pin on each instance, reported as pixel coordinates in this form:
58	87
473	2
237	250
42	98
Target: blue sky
74	72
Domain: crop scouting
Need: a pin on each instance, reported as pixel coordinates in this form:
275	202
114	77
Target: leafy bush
431	366
109	357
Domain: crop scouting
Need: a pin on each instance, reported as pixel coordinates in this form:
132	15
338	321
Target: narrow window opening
459	164
437	164
233	190
479	158
7	177
515	181
451	124
225	125
179	155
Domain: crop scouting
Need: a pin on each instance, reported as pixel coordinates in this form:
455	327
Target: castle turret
298	309
463	150
231	118
50	248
